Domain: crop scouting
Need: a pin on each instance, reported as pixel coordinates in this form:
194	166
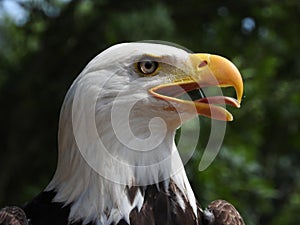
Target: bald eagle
118	163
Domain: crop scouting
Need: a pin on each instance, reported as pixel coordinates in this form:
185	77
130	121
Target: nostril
203	63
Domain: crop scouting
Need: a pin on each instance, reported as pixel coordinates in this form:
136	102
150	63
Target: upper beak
207	70
223	72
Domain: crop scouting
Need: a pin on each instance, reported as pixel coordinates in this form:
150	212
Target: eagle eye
147	67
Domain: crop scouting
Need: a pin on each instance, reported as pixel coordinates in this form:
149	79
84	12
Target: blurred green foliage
258	167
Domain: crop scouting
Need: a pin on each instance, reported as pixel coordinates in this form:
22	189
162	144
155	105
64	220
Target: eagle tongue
220	100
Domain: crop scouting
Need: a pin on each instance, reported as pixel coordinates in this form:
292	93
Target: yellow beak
207	70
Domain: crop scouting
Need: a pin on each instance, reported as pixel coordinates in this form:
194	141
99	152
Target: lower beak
207	70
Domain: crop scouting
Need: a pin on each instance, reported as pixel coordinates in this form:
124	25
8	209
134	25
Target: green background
258	166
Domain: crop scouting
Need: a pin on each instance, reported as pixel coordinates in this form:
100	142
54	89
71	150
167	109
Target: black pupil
148	65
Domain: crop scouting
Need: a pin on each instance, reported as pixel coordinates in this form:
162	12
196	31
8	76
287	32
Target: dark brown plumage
12	215
156	210
162	208
221	212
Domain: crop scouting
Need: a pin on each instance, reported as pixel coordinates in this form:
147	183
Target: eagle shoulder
221	212
13	215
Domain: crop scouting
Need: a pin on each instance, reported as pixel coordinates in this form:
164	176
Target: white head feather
113	134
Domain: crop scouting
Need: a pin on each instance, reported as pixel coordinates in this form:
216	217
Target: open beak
207	70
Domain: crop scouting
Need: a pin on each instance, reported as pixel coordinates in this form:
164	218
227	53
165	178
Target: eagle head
118	122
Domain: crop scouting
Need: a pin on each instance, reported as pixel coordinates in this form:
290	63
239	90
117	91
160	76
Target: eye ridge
147	66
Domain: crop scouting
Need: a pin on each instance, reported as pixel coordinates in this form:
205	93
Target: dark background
41	54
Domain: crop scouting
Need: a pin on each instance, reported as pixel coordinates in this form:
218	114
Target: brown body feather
13	215
224	213
160	207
